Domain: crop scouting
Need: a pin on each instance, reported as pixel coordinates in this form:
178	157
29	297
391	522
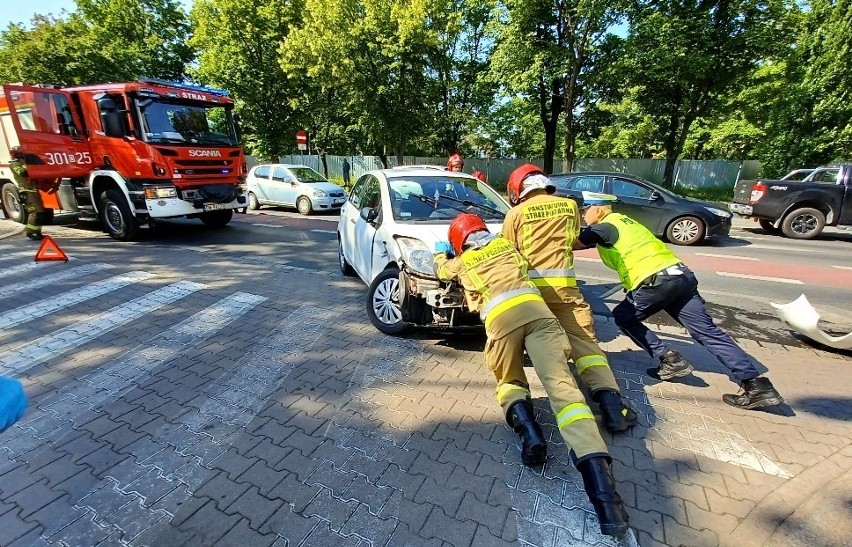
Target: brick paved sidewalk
305	426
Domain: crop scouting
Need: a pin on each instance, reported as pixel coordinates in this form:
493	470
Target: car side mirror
655	195
369	214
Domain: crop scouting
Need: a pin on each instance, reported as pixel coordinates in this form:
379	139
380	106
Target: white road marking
324	231
762	278
19	254
785	249
732	257
59	342
42	280
51	304
842	267
267	225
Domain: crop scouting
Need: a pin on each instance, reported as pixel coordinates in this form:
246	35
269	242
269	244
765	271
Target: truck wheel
11	205
804	223
304	206
768	226
116	217
217	219
254	205
685	231
383	303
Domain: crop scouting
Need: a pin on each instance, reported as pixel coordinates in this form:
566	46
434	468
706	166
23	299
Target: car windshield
442	197
187	123
306	174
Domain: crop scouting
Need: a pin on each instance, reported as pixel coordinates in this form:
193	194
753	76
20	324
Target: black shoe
617	416
35	236
672	365
600	487
755	393
521	418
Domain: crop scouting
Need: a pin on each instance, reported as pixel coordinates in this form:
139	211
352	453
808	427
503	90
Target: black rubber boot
617	416
521	418
672	365
600	487
35	236
756	393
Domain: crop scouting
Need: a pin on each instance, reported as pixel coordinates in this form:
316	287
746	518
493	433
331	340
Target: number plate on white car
338	201
213	206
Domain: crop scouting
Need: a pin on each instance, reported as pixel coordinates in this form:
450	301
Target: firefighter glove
444	247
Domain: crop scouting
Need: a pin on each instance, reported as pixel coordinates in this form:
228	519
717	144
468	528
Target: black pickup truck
799	209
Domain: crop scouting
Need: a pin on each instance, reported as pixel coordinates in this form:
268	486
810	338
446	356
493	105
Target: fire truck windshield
180	122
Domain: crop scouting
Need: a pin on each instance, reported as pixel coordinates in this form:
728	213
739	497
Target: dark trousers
678	296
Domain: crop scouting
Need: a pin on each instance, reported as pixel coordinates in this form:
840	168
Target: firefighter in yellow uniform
544	228
495	281
32	211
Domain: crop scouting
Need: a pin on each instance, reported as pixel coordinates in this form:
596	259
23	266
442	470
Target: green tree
239	44
545	48
684	56
102	41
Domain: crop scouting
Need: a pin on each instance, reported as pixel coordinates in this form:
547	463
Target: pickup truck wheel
685	231
116	217
11	205
383	303
768	226
217	219
804	223
254	205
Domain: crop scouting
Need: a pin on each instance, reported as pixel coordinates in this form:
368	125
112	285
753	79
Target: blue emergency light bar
202	88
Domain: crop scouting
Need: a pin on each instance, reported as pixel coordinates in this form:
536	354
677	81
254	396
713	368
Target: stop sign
301	137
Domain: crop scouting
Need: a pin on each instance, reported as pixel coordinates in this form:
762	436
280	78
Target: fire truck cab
126	154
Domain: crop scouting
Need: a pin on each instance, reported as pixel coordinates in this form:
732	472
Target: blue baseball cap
597	198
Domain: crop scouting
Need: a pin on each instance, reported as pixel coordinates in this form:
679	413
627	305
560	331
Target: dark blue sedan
680	220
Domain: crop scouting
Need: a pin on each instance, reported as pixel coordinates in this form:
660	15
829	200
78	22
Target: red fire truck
126	154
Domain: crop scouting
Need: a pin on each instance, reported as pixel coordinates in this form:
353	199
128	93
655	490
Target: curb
9	228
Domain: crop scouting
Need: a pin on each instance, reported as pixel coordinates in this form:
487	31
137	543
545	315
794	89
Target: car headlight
719	212
320	194
158	192
416	254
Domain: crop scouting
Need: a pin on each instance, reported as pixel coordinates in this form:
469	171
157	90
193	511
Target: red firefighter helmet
516	187
455	160
461	227
479	175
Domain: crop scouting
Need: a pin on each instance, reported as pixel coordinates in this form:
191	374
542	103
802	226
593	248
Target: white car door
259	183
282	188
349	219
365	232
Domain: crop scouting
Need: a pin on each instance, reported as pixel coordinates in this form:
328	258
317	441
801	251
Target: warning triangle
49	250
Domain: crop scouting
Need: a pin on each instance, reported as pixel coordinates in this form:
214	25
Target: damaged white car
387	233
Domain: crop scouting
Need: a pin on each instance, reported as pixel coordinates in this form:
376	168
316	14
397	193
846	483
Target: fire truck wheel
11	205
116	217
217	219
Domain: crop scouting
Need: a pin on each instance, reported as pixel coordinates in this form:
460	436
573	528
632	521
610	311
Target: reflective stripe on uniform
572	413
505	389
559	272
507	300
556	282
587	361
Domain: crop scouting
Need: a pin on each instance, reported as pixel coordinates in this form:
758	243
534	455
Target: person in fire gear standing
32	209
544	228
455	163
656	280
495	281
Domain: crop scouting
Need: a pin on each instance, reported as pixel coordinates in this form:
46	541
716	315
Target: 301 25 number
68	158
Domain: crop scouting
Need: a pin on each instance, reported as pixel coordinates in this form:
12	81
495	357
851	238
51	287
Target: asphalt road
739	275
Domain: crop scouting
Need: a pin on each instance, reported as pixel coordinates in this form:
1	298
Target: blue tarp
13	402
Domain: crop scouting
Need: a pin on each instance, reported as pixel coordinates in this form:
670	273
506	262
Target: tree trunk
324	161
670	145
550	106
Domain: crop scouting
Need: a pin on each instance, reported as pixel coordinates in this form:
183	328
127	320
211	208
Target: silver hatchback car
290	185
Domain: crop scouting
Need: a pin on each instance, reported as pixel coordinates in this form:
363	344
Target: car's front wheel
383	299
685	231
345	268
304	206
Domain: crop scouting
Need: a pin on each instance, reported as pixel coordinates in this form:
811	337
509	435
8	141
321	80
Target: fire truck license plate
213	206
